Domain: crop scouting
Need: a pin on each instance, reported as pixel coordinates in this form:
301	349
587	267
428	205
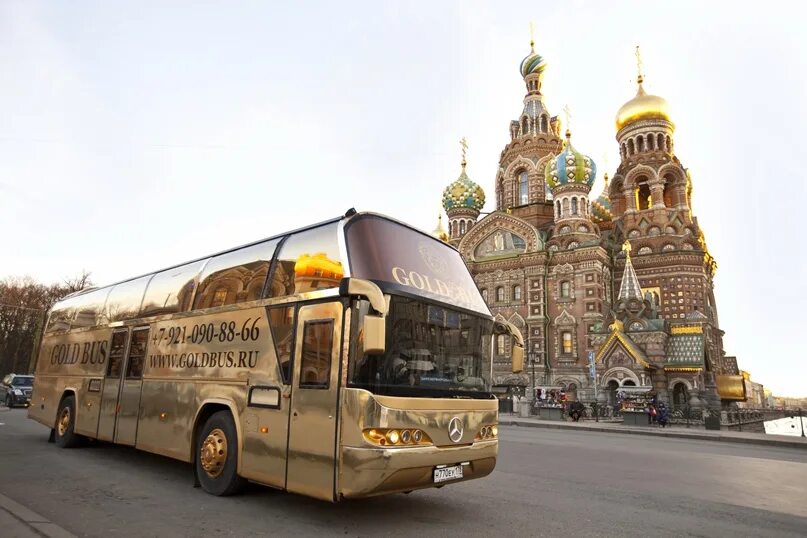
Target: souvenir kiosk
635	404
549	401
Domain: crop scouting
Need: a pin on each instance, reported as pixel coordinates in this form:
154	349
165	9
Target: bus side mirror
375	324
518	359
375	334
517	356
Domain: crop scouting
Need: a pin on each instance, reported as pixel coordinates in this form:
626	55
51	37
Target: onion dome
601	207
463	193
643	107
532	63
440	232
570	167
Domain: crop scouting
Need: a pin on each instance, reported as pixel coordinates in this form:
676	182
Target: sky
135	135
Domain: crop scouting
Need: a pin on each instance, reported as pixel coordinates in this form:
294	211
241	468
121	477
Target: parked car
16	390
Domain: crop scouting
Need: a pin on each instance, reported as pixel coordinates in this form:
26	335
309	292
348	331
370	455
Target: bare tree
24	304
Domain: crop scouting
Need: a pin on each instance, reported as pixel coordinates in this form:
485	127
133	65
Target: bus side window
315	367
137	353
116	352
281	321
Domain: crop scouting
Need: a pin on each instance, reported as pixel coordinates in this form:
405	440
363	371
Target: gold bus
346	359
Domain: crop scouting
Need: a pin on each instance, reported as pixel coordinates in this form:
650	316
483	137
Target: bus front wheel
65	437
217	456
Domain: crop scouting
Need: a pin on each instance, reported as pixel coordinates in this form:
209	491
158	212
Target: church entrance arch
680	394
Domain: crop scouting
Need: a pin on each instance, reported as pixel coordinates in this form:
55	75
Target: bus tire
216	460
65	424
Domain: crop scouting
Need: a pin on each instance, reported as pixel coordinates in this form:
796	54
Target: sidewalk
17	521
671	431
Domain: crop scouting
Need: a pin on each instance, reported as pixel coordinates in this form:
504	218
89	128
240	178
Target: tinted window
22	381
315	365
116	353
62	314
235	277
90	309
281	321
125	299
308	261
409	261
137	353
171	291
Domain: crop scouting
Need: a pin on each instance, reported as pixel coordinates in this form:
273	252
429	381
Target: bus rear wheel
217	456
65	437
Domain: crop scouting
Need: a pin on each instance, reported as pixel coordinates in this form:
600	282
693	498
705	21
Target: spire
464	144
640	77
630	288
568	113
532	37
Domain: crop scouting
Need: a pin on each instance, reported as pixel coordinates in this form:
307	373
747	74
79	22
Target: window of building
462	227
500	294
590	277
516	293
590	307
574	206
567	342
500	345
523	183
590	292
565	289
485	294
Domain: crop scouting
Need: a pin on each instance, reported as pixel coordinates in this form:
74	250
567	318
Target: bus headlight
396	438
487	432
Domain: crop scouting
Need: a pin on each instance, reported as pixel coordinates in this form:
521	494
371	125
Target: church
613	290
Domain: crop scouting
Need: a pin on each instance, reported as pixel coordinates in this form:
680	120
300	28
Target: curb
777	441
32	522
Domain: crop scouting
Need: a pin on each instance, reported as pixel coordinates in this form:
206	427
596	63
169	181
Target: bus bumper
365	472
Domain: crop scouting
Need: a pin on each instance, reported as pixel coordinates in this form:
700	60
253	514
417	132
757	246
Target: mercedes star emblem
455	430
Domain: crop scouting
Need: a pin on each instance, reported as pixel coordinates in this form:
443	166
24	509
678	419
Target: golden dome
642	107
440	232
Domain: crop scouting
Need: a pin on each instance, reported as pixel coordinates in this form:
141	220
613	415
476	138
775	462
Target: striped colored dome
601	209
463	193
570	166
532	63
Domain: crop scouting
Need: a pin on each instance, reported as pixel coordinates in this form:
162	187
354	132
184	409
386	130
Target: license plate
447	473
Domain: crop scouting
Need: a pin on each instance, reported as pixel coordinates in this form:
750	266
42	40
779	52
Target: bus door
129	399
311	457
112	383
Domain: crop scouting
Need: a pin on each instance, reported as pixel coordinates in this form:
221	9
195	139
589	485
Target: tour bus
346	359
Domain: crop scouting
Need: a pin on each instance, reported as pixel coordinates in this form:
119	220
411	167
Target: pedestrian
663	415
651	414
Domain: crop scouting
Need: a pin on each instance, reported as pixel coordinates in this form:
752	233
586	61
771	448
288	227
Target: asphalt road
547	483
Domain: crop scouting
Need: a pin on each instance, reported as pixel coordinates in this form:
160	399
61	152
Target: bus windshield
431	351
405	261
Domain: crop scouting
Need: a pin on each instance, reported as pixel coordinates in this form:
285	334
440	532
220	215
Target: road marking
37	524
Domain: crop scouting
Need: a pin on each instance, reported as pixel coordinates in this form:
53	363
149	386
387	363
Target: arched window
640	143
462	227
669	145
565	206
524	126
523	193
557	208
516	292
631	147
644	199
500	345
649	142
500	294
565	289
660	142
567	342
574	206
485	294
624	151
544	126
449	229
